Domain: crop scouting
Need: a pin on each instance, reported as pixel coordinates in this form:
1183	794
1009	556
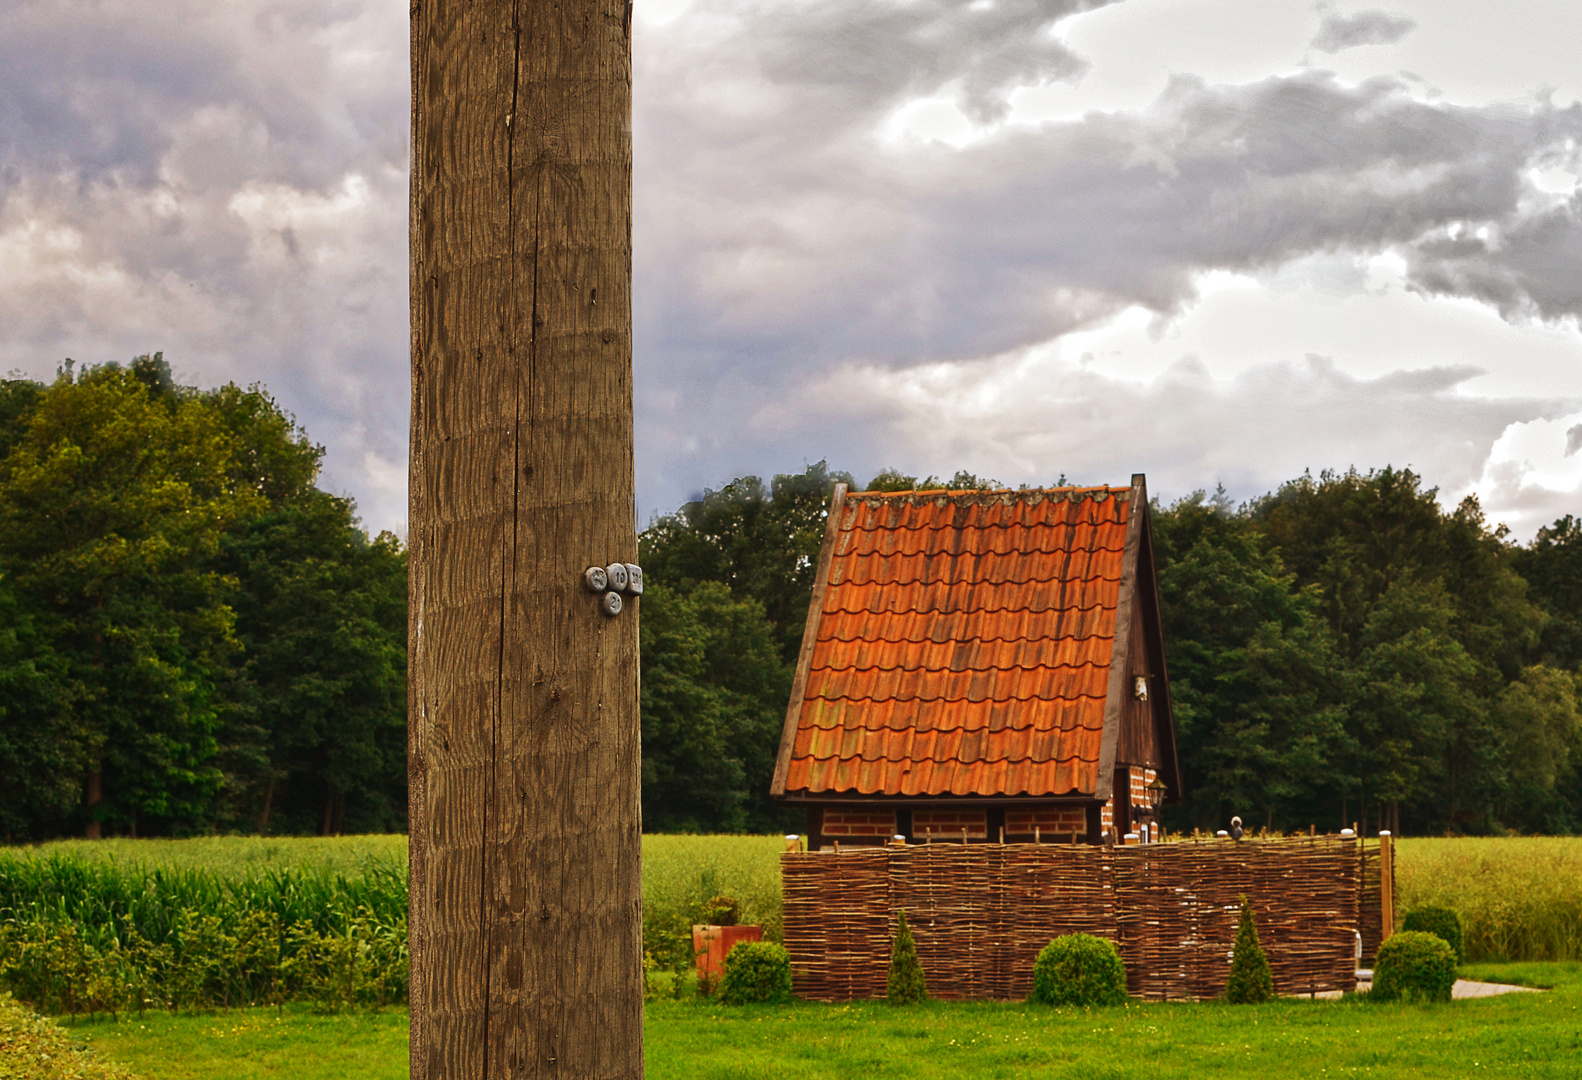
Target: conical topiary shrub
1250	981
907	984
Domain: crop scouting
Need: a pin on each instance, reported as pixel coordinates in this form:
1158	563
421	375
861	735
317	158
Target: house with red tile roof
982	666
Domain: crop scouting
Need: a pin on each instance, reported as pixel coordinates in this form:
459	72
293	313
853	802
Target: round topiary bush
1079	969
1439	921
1413	966
756	971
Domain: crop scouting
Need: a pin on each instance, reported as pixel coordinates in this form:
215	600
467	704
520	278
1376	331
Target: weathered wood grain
524	749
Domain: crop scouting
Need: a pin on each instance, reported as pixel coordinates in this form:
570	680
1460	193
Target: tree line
194	637
1342	649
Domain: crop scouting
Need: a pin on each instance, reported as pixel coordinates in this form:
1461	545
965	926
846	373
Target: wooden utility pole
523	749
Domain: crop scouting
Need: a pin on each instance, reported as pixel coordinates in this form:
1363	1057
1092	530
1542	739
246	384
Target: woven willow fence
980	913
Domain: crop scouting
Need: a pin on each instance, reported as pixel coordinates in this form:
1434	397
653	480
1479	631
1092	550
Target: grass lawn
1528	1035
251	1044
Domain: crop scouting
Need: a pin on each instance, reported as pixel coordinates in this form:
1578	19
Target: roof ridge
980	640
1015	494
984	760
959	671
964	697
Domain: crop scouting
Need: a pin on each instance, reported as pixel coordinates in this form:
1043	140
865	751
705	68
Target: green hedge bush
1414	966
1079	969
757	972
1439	921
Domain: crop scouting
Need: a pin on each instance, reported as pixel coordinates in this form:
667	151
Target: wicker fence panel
1370	900
1179	906
981	912
837	923
1055	890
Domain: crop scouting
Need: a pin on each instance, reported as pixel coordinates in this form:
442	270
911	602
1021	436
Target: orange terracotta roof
963	645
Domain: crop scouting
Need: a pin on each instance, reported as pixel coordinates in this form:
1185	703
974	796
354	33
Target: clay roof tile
963	645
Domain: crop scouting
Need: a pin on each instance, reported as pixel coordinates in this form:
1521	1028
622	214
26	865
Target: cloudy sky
1217	241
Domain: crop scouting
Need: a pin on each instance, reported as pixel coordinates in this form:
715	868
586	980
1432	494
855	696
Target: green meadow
1528	1035
1521	899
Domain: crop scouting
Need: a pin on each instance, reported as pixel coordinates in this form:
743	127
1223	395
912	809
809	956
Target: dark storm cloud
1532	267
1338	32
790	242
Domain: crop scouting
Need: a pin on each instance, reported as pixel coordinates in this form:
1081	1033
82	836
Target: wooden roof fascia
1156	633
1120	646
847	798
815	614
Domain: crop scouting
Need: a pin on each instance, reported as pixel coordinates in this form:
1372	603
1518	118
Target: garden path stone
1464	988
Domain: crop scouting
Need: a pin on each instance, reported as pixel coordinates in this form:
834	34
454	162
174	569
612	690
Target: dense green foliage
192	636
1079	969
756	973
33	1048
906	984
713	701
1413	966
1345	649
1250	981
1442	922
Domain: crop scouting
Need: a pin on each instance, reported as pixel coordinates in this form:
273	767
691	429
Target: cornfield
101	936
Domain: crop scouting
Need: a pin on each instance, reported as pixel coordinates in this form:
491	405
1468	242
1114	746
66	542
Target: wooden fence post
523	748
1387	884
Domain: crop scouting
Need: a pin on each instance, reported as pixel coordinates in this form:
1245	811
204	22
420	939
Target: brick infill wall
843	824
1048	821
949	824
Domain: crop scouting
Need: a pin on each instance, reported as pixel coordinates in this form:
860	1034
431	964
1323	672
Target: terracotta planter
712	944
